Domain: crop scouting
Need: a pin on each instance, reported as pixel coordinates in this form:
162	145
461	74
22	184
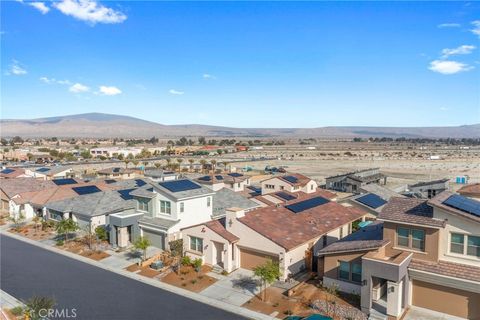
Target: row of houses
394	251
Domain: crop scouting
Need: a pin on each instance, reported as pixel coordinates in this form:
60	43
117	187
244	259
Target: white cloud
78	88
443	109
54	81
449	67
465	49
208	76
476	28
90	11
40	6
109	91
16	69
449	25
176	92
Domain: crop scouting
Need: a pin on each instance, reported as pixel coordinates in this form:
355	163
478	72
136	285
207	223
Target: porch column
394	298
366	293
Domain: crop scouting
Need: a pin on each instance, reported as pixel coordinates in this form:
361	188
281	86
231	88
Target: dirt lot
37	234
189	279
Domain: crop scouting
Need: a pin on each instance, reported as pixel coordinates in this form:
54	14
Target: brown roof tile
301	179
450	269
409	210
218	227
470	190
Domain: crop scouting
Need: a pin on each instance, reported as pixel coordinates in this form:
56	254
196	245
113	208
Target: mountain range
101	125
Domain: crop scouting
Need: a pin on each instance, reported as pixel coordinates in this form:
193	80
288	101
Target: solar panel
235	175
86	190
464	204
291	179
7	171
108	181
125	194
256	189
43	169
168	172
219	177
116	169
62	182
205	178
285	196
307	204
179	185
371	200
140	182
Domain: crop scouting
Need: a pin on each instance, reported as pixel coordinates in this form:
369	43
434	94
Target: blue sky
244	64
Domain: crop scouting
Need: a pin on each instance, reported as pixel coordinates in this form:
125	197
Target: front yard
190	279
37	232
308	298
80	247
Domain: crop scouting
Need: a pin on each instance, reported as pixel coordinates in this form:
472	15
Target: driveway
416	313
95	293
236	288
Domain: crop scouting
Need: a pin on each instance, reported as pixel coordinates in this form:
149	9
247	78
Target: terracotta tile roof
438	202
470	190
409	210
15	173
289	230
450	269
218	226
12	187
301	179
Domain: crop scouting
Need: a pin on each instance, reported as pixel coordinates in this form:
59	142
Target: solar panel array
43	169
116	169
205	178
125	194
7	171
179	185
108	181
464	204
86	190
371	200
235	175
291	179
307	204
255	189
62	182
140	182
219	177
285	196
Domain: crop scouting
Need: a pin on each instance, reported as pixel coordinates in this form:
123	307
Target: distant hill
100	125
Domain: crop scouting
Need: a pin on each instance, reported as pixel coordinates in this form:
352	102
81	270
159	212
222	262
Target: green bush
59	243
193	281
197	263
186	261
17	311
101	233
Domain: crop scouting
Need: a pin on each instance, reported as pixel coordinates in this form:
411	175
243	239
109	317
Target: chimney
232	214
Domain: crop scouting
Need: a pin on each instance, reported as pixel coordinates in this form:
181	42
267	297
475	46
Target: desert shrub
186	261
193	281
59	243
197	263
101	233
17	311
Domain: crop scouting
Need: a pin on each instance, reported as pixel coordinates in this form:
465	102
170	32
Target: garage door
447	300
249	259
157	239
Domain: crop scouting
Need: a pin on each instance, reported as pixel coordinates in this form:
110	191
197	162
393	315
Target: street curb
179	291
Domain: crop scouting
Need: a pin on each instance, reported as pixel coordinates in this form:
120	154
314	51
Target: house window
457	243
269	186
418	239
182	206
143	204
196	244
165	207
282	188
324	241
411	238
402	235
341	232
311	187
209	202
473	246
344	271
356	272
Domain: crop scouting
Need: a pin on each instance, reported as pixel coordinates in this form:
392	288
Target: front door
218	253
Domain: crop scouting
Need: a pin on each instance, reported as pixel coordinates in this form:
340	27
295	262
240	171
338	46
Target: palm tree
135	163
213	162
191	161
203	162
158	164
179	161
225	164
127	161
169	161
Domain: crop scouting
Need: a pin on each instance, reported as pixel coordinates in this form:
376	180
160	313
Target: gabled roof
225	198
12	187
295	179
116	170
9	173
289	229
50	171
439	200
427	183
470	190
410	210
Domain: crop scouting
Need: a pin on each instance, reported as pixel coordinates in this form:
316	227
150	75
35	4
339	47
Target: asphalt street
94	293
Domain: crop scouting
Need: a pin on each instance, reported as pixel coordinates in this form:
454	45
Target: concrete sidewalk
7	301
224	305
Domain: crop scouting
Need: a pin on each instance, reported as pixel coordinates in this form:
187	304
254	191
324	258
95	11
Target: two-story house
233	181
294	182
423	254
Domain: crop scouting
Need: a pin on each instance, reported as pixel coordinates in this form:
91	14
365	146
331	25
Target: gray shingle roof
158	222
225	198
369	237
94	204
380	191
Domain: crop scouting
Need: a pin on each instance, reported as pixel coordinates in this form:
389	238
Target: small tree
142	243
176	249
268	273
158	165
17	220
34	305
66	226
37	222
101	233
90	238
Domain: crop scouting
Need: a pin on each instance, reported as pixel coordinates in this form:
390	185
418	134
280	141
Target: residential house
470	190
428	257
289	234
294	182
119	173
427	189
352	182
233	181
11	173
50	173
159	175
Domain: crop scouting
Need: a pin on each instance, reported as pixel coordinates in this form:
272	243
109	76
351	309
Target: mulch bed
189	279
148	272
78	247
133	268
30	232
